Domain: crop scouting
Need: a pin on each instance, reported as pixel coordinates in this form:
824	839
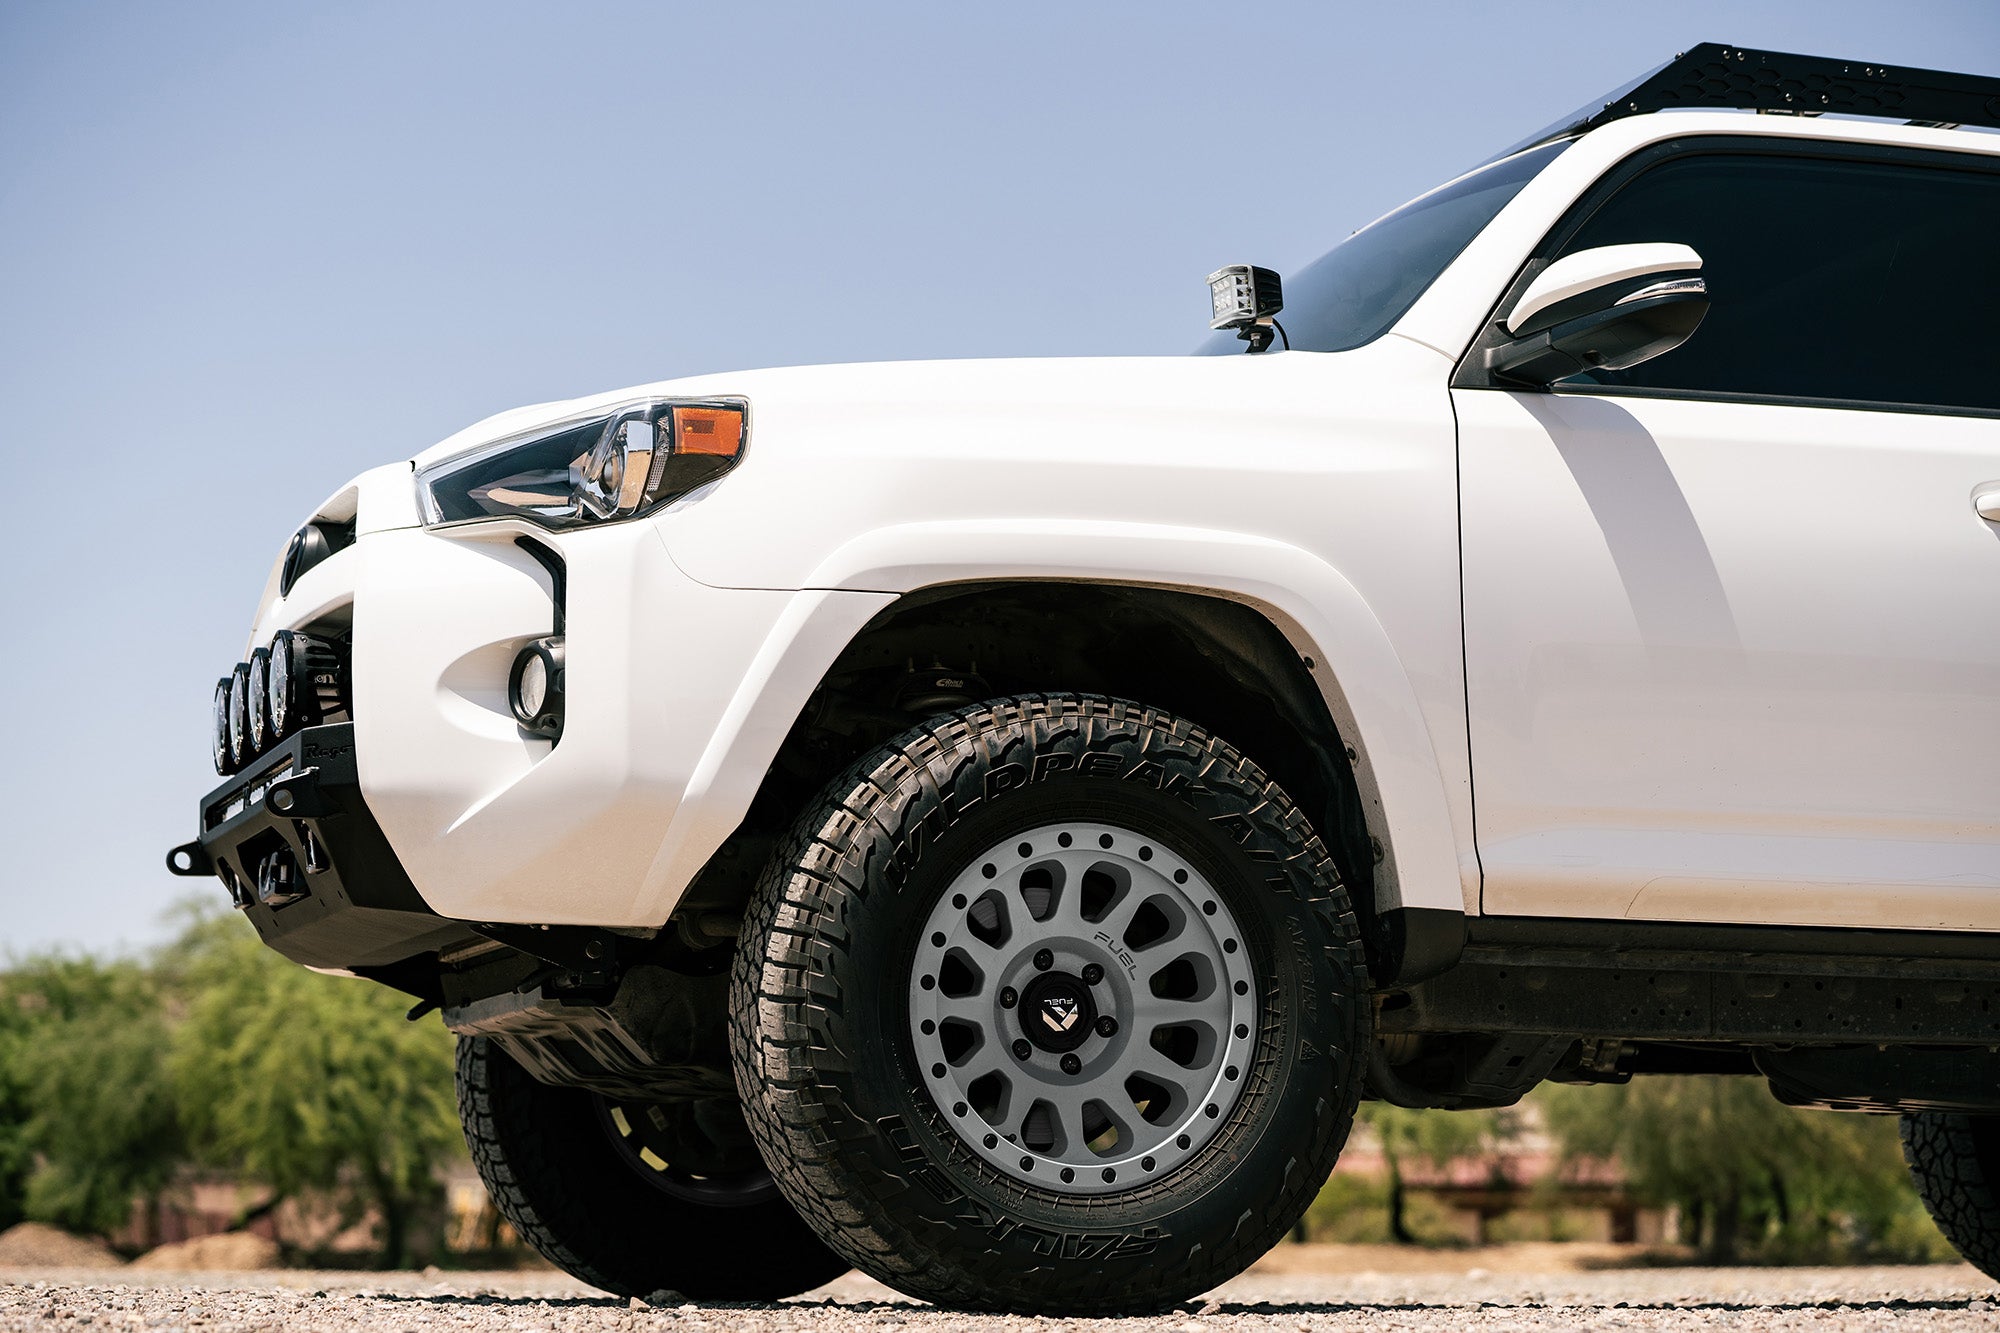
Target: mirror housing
1601	309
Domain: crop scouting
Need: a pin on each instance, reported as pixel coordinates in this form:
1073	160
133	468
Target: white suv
988	823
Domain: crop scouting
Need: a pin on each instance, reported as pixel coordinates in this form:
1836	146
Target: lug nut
1092	975
1021	1048
1044	960
1008	999
1071	1065
1107	1026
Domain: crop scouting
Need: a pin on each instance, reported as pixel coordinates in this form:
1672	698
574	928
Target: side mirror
1601	309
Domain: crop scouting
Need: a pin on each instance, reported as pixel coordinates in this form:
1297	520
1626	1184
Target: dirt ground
1298	1288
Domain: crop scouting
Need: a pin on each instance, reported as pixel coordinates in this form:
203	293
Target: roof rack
1714	75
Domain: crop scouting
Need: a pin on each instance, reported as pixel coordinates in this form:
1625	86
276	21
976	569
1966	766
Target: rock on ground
32	1245
227	1252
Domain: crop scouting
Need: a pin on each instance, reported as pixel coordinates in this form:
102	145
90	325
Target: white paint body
1726	662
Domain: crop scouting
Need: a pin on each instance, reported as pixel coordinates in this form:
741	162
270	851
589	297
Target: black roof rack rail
1714	75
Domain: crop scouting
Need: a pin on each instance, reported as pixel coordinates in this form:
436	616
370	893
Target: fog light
535	687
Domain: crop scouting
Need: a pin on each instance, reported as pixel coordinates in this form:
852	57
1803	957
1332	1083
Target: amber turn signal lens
714	431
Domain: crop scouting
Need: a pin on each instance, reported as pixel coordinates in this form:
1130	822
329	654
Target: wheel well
1215	662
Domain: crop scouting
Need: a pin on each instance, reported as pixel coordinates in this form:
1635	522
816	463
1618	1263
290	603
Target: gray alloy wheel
1082	1006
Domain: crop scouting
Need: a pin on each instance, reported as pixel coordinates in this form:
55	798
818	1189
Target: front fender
1366	686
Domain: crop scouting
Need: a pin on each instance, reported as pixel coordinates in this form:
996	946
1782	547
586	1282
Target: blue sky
247	251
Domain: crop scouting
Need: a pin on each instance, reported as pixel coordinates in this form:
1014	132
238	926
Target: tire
1955	1161
854	919
553	1163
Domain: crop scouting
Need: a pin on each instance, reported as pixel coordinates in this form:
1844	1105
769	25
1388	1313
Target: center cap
1056	1012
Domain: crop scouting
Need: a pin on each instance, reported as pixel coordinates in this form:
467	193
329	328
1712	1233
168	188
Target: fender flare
1325	618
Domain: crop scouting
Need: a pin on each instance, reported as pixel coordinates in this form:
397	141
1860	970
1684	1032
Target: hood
1223	443
1065	391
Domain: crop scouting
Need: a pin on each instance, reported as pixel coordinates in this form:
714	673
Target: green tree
16	1157
310	1083
1747	1172
83	1061
1431	1136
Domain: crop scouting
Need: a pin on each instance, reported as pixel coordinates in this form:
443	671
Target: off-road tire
1955	1160
824	1058
553	1171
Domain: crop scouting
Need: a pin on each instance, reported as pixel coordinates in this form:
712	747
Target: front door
1732	616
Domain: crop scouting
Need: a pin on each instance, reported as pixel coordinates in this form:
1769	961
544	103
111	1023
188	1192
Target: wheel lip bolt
1093	974
1044	960
1022	1049
1107	1026
1008	997
1072	1065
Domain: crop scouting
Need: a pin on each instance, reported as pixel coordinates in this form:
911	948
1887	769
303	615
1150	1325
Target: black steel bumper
294	843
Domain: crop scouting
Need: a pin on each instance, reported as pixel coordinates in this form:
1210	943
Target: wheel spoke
1156	1068
987	958
1067	918
1068	1104
1020	1100
1118	919
988	1058
976	1009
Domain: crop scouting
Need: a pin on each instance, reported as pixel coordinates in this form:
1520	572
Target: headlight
607	467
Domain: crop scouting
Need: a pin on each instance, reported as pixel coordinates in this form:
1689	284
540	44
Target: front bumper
293	841
679	696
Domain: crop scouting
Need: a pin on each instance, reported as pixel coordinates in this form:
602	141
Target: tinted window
1827	279
1355	291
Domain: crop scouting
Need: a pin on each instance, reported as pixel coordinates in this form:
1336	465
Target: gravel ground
1946	1297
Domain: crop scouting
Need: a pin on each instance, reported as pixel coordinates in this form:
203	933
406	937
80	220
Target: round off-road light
306	685
239	714
535	687
261	733
278	702
225	761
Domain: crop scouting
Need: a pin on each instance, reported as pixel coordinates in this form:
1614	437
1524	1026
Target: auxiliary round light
279	701
239	714
535	687
306	685
225	762
261	732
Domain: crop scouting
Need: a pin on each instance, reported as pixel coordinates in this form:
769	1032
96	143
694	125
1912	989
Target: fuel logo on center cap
1057	1013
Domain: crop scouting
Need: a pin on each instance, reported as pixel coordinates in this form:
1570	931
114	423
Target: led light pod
261	734
239	715
225	759
1242	295
306	686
